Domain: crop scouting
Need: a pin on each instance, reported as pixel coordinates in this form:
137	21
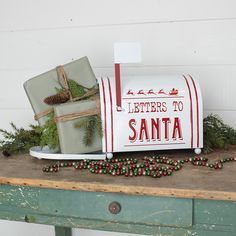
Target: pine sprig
76	89
49	133
91	125
98	125
217	134
19	140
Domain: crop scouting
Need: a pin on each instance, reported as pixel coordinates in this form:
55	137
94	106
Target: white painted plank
217	83
32	14
86	232
20	117
12	93
162	44
13	228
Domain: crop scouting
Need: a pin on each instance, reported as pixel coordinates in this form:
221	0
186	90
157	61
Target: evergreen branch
20	140
49	132
99	125
91	125
88	137
82	124
14	127
217	134
5	133
76	89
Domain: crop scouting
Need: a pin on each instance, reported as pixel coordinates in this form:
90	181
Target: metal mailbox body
158	113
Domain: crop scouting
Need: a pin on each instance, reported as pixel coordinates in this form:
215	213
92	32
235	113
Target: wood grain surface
190	182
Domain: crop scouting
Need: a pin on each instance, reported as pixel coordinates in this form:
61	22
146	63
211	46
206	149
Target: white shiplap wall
181	36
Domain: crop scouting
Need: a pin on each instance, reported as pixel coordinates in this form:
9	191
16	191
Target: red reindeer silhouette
130	92
161	91
150	91
141	92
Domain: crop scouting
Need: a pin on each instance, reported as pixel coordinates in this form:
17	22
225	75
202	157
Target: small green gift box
72	124
42	86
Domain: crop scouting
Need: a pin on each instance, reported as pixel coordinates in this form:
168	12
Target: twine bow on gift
64	83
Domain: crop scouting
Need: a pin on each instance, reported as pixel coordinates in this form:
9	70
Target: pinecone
61	97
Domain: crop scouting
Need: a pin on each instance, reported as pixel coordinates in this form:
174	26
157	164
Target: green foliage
59	90
91	125
49	133
19	140
76	89
217	134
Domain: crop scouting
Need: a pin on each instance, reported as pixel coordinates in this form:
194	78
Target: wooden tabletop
190	182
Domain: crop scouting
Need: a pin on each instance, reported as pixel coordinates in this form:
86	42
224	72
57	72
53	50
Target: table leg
62	231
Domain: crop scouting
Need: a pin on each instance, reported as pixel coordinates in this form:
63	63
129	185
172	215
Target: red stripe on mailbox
105	115
191	110
196	94
111	111
118	88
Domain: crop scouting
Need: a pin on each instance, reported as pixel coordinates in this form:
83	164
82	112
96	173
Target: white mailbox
156	113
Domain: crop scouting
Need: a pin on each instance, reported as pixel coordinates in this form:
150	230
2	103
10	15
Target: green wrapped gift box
69	115
42	86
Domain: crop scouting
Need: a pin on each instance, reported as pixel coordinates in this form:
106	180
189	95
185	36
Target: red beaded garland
155	167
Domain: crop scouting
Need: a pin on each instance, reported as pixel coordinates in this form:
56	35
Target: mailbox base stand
197	151
46	153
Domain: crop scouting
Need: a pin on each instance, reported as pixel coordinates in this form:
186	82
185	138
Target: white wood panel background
180	43
36	15
181	36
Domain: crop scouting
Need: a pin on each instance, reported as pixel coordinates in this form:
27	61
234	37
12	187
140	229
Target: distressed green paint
62	231
19	196
19	214
136	209
215	212
213	227
140	214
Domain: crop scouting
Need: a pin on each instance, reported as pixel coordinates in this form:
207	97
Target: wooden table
194	201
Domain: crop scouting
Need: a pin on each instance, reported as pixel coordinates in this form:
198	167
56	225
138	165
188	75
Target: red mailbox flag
124	53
